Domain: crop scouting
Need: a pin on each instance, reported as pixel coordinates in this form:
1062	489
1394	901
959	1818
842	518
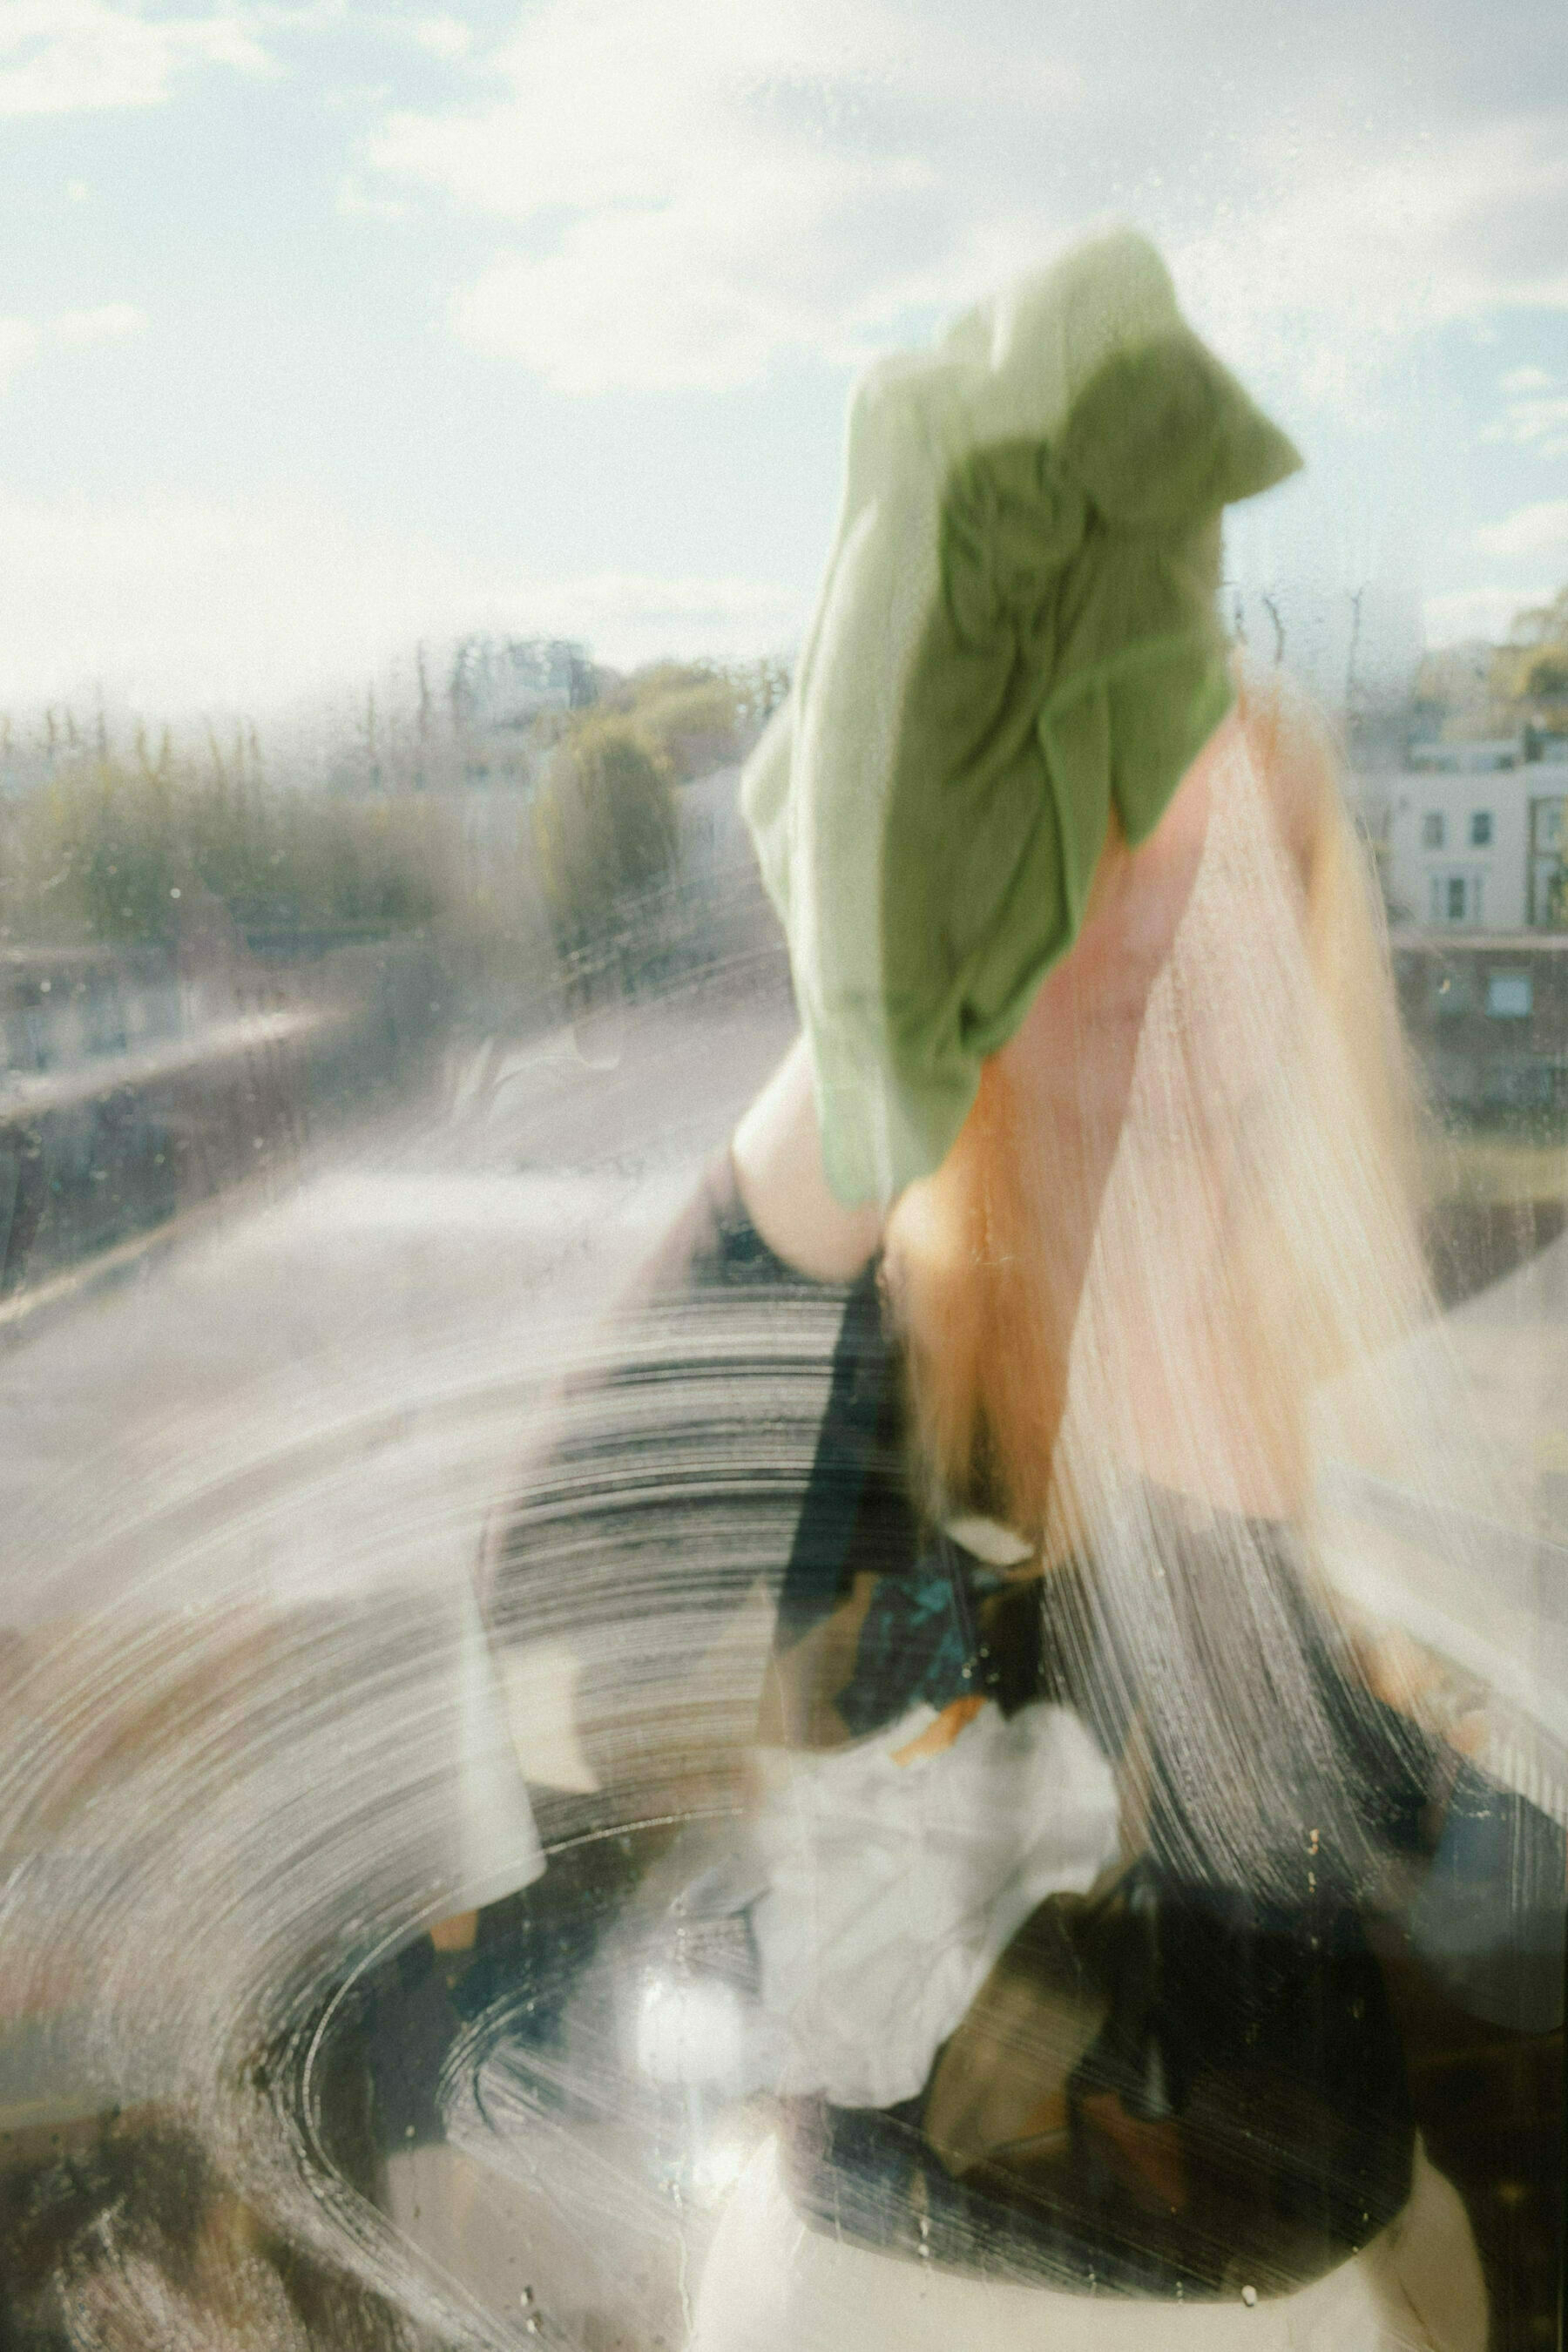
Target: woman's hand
777	1153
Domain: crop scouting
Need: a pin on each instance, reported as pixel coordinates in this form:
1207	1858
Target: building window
1456	898
1432	829
1509	995
1453	991
1480	828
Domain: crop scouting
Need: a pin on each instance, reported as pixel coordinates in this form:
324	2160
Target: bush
110	849
604	831
692	717
700	715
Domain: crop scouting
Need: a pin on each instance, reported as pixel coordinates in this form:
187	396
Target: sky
329	327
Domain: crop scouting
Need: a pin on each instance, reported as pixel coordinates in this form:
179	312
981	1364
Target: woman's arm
777	1155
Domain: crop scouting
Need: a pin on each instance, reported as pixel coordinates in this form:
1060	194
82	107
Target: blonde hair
1248	1230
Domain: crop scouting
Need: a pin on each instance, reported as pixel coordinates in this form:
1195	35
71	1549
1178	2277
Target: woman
1079	1819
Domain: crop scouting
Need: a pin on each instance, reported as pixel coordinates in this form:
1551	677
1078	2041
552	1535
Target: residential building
1487	1015
1476	836
500	689
507	683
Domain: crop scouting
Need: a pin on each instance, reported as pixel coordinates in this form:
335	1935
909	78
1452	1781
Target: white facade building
499	683
1477	839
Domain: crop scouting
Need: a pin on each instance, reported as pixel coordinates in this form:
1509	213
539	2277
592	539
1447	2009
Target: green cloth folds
1017	634
1073	661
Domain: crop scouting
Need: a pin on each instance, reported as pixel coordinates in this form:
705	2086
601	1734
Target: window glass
1453	992
783	1252
1509	995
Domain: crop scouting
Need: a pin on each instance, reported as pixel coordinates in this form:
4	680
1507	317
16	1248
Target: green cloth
1018	630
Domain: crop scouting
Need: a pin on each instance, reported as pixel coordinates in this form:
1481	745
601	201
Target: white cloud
178	603
629	618
356	202
1532	532
1530	545
23	342
693	193
634	296
444	37
68	57
1535	415
18	346
1472	614
111	323
1323	279
699	194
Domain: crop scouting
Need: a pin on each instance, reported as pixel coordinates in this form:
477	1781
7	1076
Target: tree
699	716
604	828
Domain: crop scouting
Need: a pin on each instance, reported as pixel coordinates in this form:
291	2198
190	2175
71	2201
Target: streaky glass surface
600	1747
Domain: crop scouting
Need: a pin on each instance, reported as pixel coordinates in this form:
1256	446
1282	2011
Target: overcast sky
327	327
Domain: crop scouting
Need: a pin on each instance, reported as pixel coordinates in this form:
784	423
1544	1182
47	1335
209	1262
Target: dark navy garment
1208	2072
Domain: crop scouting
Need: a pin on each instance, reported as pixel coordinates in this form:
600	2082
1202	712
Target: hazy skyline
324	328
